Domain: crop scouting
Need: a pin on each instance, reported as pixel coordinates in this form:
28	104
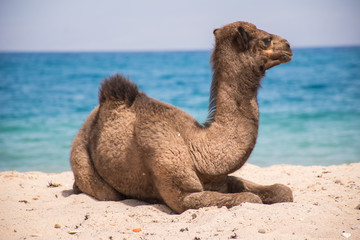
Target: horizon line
154	50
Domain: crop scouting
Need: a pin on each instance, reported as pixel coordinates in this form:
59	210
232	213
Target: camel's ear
242	39
214	32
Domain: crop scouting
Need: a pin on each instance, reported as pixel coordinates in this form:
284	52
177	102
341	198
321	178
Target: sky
110	25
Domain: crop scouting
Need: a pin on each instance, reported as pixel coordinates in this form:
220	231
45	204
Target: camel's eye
267	41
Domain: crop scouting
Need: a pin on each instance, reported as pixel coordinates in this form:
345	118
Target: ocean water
309	108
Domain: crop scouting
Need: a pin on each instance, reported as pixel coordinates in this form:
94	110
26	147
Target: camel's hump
118	88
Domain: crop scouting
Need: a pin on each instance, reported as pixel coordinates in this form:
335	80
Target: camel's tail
118	88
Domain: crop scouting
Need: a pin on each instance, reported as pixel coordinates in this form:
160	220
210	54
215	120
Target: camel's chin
286	57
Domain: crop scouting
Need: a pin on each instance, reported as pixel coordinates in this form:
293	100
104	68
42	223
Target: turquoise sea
309	108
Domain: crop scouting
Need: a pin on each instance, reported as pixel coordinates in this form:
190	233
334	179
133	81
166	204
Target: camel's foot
275	194
76	189
98	189
269	194
208	198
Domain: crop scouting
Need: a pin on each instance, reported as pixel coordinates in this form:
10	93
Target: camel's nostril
286	44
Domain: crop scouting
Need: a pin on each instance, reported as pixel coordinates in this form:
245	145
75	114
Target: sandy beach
35	205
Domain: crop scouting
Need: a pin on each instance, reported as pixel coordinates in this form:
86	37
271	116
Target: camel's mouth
279	54
286	56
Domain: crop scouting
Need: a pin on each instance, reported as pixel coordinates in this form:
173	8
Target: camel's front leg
181	189
269	194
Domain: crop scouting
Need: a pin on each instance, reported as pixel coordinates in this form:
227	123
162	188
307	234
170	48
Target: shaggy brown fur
134	146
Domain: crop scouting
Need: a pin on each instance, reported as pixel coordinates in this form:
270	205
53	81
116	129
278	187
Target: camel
133	146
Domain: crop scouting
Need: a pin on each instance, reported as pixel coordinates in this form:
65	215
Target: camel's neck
233	98
232	129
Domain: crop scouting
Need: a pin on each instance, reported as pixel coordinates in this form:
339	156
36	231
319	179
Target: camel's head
257	46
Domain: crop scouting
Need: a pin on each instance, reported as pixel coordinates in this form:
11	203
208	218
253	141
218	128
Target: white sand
325	206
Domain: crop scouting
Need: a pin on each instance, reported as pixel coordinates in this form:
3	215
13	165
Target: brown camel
133	146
